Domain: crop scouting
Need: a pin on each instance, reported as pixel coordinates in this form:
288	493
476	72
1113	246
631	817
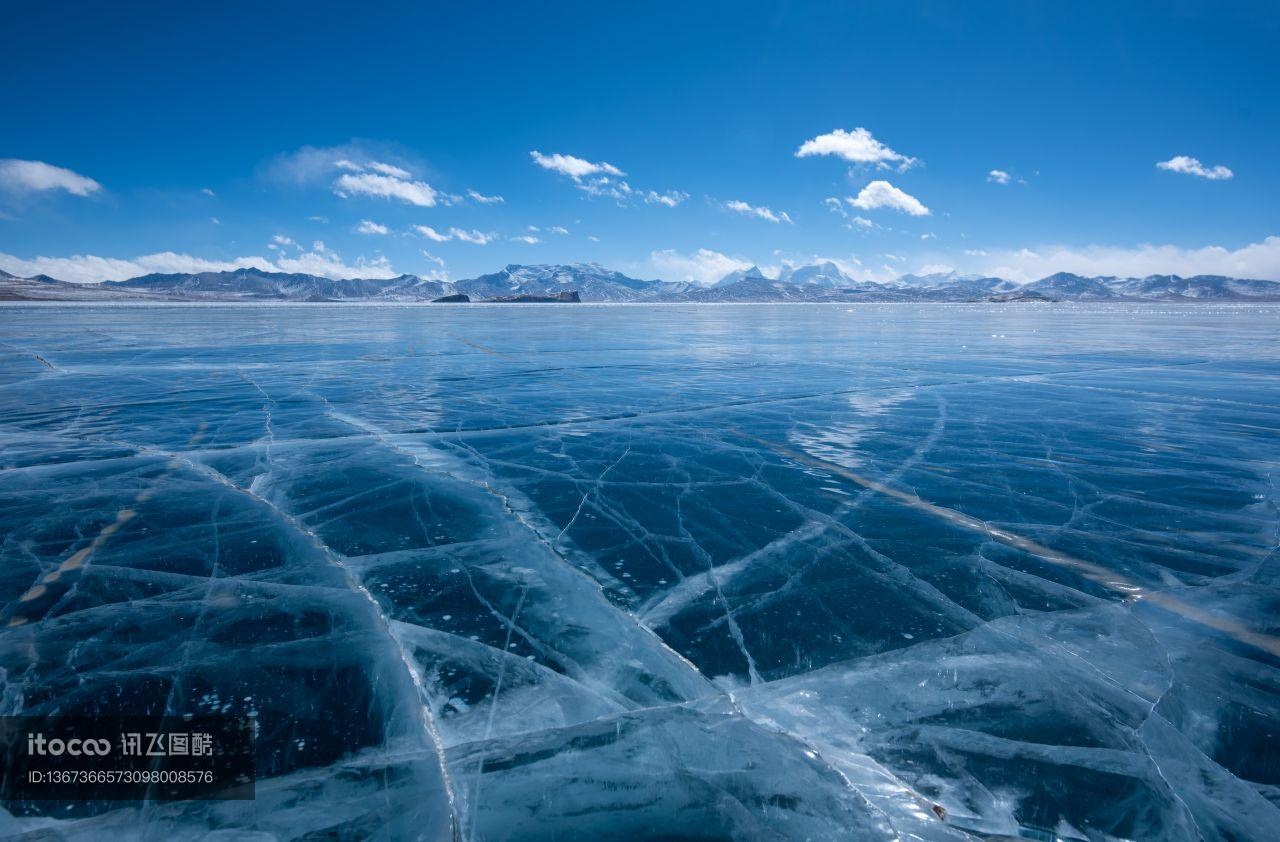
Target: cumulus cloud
575	168
999	177
478	238
882	194
759	212
328	263
432	234
702	267
368	226
1191	166
671	198
837	206
313	165
527	238
477	196
386	186
89	268
857	147
602	179
361	170
390	170
21	177
1256	260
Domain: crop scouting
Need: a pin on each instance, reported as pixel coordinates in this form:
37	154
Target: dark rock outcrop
565	297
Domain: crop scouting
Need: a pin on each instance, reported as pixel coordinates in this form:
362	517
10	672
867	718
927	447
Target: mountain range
594	283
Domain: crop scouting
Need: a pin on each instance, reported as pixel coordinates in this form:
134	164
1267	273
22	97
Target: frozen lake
681	572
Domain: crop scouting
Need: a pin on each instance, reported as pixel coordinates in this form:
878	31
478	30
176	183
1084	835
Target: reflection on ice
623	573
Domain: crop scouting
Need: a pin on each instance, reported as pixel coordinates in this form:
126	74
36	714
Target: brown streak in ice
80	557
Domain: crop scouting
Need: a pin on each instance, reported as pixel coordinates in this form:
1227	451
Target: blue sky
143	137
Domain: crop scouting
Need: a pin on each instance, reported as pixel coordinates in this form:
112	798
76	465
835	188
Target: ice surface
740	572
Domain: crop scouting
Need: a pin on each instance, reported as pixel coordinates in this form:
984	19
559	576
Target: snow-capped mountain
1198	287
738	276
592	282
1064	285
818	274
253	284
816	282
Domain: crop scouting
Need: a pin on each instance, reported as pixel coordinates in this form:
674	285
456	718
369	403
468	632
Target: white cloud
368	226
837	206
703	267
620	191
999	177
281	240
208	191
432	234
858	147
556	229
388	187
671	198
363	171
327	263
1256	260
975	252
477	196
18	176
760	212
1191	166
439	261
882	194
323	220
478	238
929	236
215	220
593	238
390	170
527	238
575	168
316	165
602	179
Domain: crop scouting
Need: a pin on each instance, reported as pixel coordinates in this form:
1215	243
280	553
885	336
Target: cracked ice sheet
580	550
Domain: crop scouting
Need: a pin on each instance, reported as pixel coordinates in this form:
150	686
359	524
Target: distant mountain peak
740	275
